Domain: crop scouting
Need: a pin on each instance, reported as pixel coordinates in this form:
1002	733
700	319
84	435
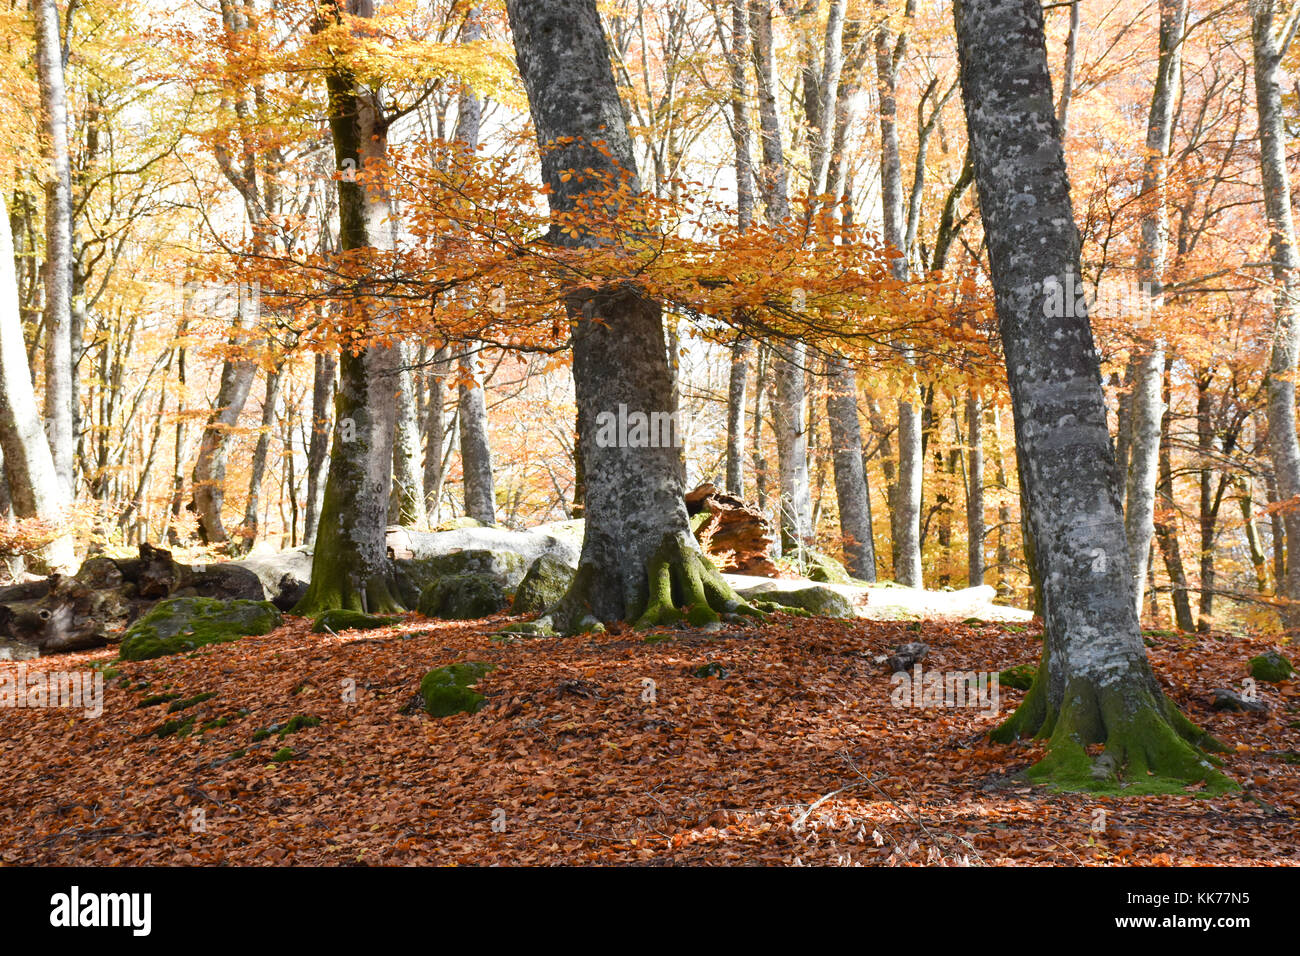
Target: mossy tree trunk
1095	684
639	560
350	565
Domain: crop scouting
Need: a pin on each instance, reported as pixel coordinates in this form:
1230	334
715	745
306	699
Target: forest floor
609	750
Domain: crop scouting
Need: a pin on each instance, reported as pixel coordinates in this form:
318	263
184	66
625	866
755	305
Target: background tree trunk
850	480
322	402
28	465
1147	403
475	451
59	369
1283	443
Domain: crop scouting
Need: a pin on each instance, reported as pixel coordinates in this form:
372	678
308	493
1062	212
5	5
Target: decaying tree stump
737	537
91	608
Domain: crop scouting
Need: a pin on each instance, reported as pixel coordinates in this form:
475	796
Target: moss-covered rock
1019	677
822	602
341	619
416	575
1271	667
463	597
824	568
182	624
544	584
449	690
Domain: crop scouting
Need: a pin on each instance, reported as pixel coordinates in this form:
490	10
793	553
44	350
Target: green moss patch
1020	677
817	601
183	624
1271	667
464	597
449	690
189	702
547	580
341	619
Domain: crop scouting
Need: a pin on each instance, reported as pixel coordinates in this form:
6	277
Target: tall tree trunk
475	447
209	479
639	559
1004	589
743	348
1094	684
1148	407
322	401
737	386
350	564
974	491
1166	527
475	451
58	245
1067	72
34	491
1283	443
788	359
850	480
246	536
1208	512
906	500
435	434
407	505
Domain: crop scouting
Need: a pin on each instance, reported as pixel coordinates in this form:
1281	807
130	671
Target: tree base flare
331	592
684	588
1149	745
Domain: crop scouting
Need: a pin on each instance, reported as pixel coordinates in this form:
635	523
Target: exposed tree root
684	587
681	577
338	589
1149	745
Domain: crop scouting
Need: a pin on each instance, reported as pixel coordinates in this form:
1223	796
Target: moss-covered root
680	577
1150	747
570	615
344	591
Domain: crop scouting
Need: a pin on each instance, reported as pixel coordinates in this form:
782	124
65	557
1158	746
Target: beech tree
1094	683
639	560
350	565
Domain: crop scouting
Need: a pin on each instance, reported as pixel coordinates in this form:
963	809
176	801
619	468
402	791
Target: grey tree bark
59	368
850	479
639	559
743	348
1094	684
350	564
435	434
246	536
789	409
322	402
406	506
475	449
1147	399
975	529
905	517
1284	447
34	490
